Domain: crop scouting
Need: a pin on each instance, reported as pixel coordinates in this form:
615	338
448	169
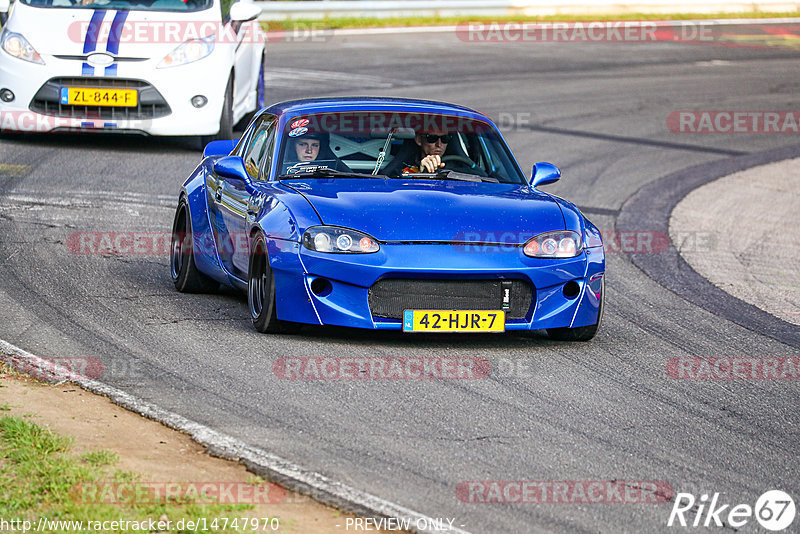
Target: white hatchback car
161	67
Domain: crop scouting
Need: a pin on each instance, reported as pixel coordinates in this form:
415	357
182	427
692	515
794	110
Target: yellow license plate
87	96
454	321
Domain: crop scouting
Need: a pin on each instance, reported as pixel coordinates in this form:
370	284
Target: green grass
40	476
100	458
371	22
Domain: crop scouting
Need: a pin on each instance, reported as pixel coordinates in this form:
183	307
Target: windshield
394	145
138	5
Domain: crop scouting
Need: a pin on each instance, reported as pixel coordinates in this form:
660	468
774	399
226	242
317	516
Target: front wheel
261	290
225	120
581	333
261	89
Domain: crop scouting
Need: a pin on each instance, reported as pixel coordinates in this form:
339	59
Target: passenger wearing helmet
307	149
309	146
312	146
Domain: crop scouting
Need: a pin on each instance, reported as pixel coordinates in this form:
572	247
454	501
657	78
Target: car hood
145	34
426	210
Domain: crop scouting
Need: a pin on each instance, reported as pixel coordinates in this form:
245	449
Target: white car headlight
338	240
188	52
561	244
19	47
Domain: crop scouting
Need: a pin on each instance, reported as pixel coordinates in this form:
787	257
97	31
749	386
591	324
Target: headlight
188	52
562	244
338	240
19	47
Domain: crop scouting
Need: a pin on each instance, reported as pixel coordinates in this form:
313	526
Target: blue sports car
384	213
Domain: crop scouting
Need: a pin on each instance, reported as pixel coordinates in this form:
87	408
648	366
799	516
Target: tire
261	86
261	97
581	333
261	291
226	119
183	271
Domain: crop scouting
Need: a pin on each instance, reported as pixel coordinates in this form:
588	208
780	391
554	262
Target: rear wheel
581	333
185	275
261	290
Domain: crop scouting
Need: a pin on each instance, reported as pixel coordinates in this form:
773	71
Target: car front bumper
177	86
349	277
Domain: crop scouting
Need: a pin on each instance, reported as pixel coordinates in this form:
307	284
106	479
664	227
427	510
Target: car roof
368	103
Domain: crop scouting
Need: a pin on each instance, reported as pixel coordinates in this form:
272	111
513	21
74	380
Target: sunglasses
431	138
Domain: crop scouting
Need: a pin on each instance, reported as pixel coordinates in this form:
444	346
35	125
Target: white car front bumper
176	86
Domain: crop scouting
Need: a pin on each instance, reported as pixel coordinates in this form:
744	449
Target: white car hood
141	34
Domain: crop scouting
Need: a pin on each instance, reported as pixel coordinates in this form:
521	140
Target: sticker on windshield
298	131
299	123
303	166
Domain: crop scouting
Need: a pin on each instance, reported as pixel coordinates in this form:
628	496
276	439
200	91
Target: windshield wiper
449	174
328	173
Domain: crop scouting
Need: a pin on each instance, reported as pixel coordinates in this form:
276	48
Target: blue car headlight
339	240
560	244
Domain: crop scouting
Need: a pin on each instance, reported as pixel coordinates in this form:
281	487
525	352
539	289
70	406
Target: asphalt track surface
549	411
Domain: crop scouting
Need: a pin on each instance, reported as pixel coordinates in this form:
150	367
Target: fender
206	255
573	219
287	214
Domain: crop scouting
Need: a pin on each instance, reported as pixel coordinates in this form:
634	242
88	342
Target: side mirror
232	168
244	11
217	148
544	173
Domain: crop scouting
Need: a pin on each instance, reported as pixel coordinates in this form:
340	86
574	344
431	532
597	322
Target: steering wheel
455	157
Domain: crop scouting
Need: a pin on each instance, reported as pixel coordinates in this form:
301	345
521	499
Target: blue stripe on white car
113	40
90	41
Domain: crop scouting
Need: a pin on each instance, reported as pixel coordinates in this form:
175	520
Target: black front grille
389	297
151	104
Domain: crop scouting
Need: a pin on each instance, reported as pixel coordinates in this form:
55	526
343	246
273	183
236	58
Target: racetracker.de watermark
110	32
734	122
126	493
564	492
734	368
71	368
614	241
59	368
630	31
29	121
381	368
126	242
146	243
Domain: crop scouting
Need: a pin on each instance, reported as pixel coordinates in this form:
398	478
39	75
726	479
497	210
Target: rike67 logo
774	510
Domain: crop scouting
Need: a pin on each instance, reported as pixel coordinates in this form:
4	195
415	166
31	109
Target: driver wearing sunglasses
431	148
